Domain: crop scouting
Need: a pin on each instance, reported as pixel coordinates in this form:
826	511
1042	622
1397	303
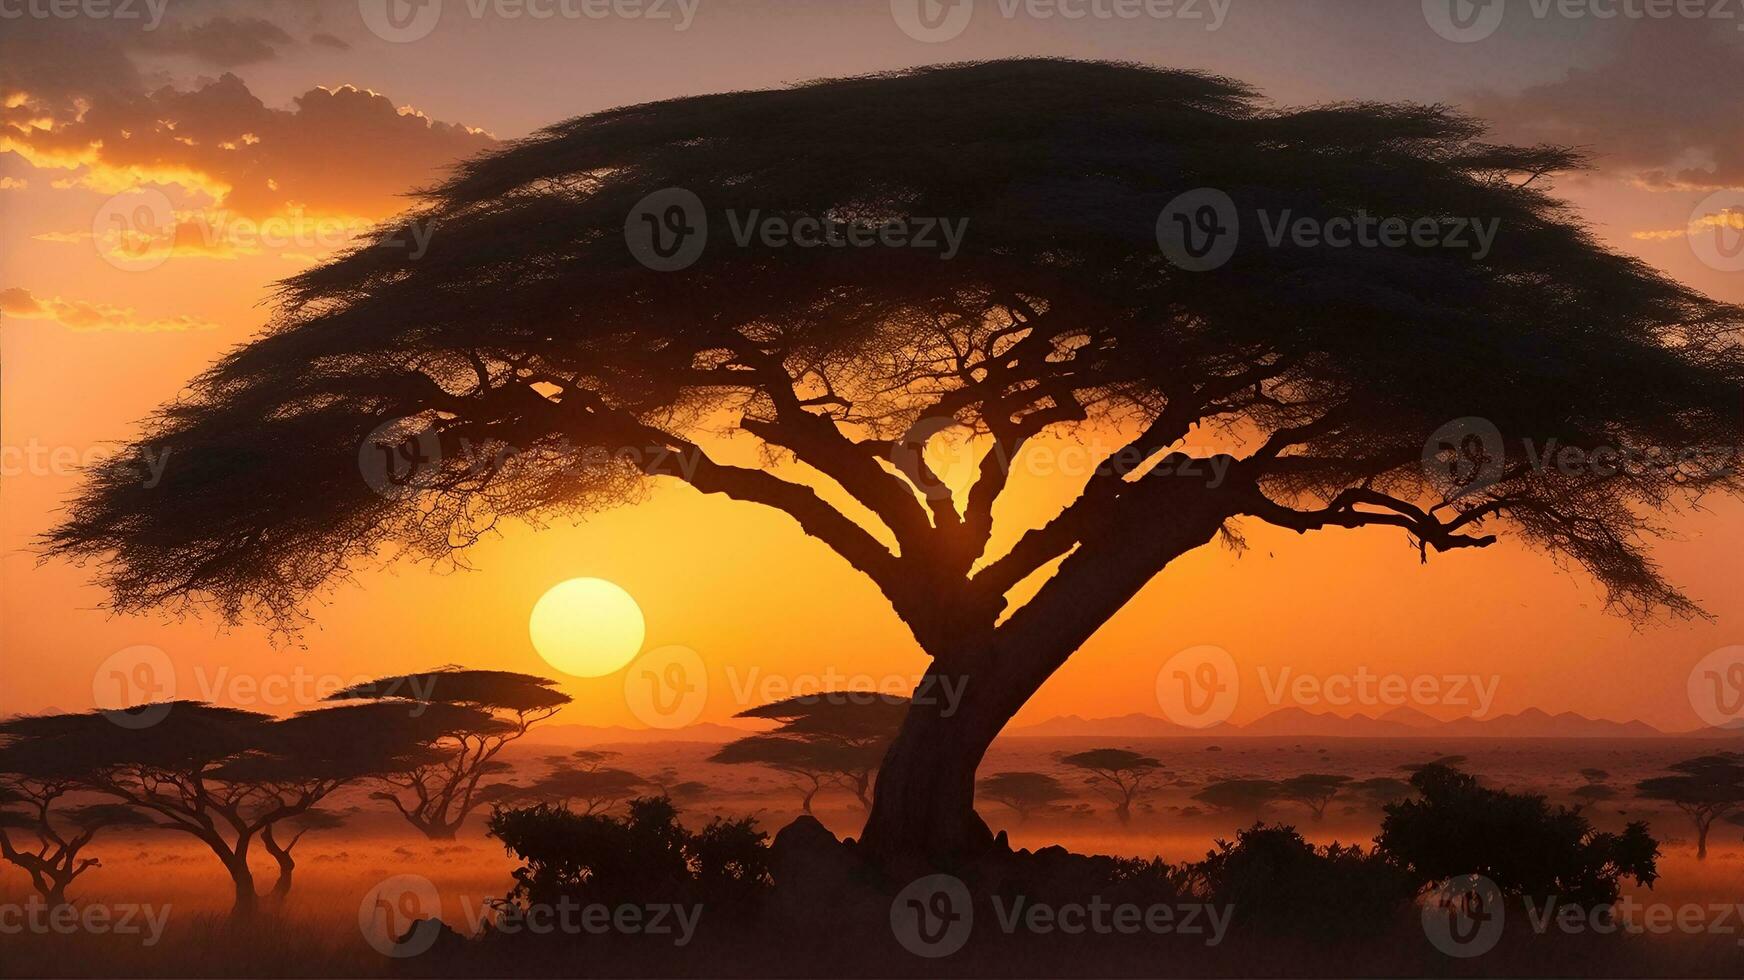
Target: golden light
587	627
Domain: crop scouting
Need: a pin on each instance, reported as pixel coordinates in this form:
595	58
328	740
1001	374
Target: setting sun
587	627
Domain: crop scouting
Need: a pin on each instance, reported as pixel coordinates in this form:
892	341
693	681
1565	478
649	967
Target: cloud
1728	218
221	41
88	317
1651	112
12	184
325	40
73	99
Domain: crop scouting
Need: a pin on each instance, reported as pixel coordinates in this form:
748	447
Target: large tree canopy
541	369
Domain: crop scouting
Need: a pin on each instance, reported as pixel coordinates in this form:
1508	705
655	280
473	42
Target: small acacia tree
1024	792
1118	774
41	835
465	717
1240	795
1314	790
845	735
540	366
1705	788
596	787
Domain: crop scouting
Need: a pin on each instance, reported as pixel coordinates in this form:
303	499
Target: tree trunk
1702	839
1123	812
246	903
282	887
923	804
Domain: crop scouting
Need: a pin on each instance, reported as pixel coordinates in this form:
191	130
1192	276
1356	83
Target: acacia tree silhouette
846	733
1024	792
224	776
539	368
1705	788
34	780
465	717
1118	774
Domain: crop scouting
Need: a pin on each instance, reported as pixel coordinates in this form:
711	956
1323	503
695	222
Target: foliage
1240	794
1024	792
465	718
1518	841
1118	774
835	736
1706	788
1277	882
642	857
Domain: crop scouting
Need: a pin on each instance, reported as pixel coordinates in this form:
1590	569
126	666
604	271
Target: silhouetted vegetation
645	856
1240	795
1520	842
835	737
530	337
1120	775
1024	792
1705	788
1278	883
471	715
1313	789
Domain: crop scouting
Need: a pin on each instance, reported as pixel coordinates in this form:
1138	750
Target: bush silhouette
1277	882
1517	840
645	856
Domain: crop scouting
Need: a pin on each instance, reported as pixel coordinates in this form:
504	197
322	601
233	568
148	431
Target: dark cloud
222	41
325	40
1662	110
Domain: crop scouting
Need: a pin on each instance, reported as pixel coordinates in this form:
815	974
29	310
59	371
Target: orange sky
281	145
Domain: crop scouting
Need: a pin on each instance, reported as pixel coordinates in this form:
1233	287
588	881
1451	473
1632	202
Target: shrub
1278	882
1517	840
642	857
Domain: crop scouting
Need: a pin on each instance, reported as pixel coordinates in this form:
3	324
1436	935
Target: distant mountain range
1397	723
